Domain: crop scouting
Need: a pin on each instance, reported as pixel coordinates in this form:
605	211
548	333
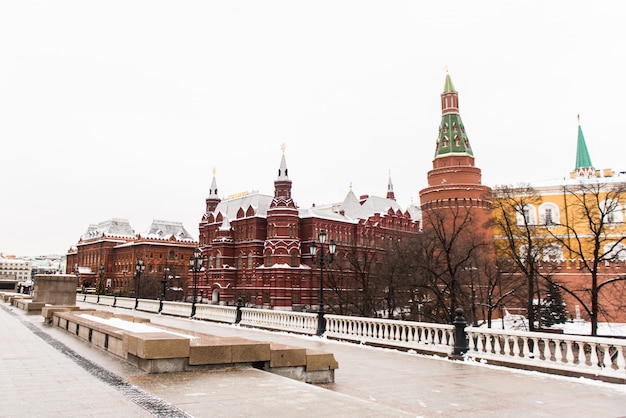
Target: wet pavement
47	372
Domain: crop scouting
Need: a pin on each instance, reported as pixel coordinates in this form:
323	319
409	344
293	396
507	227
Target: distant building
554	213
15	273
257	247
111	249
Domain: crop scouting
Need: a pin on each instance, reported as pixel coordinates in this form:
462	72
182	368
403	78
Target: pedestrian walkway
370	382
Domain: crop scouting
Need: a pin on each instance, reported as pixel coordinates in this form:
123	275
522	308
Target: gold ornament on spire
214	170
283	147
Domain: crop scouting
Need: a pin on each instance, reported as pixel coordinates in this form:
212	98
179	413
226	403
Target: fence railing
420	336
598	357
577	354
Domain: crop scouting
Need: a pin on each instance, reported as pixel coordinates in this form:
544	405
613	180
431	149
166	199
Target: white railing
106	300
176	309
128	303
217	313
300	322
578	354
433	338
148	305
90	298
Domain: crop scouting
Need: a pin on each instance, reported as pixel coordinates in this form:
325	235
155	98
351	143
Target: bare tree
520	238
593	210
451	243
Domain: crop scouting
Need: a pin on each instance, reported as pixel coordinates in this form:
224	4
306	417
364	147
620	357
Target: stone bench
162	349
28	305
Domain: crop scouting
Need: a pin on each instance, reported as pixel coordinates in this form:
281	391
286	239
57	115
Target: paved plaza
47	372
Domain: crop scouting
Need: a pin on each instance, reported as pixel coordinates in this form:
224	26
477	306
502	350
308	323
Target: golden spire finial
445	68
350	185
283	147
578	118
214	170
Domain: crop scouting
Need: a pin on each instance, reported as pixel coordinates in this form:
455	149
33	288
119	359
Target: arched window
250	260
552	253
268	259
294	259
549	214
239	261
218	260
615	252
525	253
612	211
526	215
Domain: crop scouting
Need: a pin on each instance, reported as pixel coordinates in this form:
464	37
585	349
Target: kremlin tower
454	182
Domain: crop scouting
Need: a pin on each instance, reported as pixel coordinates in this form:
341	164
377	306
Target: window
526	215
250	260
552	253
612	212
549	214
294	259
239	261
525	253
218	261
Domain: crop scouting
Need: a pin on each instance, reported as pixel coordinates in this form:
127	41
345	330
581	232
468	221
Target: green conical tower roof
448	87
452	138
582	154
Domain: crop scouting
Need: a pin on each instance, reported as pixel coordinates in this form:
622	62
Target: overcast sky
121	109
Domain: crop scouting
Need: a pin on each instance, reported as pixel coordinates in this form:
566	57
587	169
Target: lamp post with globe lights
322	258
139	268
195	263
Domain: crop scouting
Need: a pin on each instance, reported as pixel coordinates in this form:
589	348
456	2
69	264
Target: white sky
122	108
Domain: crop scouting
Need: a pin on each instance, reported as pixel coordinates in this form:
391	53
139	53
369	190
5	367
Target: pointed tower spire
452	139
213	199
584	168
282	184
282	171
390	194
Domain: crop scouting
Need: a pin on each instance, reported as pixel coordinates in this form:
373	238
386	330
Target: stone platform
159	349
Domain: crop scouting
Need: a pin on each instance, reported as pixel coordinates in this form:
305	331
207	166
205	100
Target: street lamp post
166	277
139	268
100	282
195	262
321	320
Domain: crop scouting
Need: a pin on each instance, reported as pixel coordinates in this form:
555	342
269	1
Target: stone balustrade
177	309
299	322
555	353
419	336
128	303
217	313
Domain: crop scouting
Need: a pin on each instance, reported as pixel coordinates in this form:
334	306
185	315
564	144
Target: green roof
448	87
452	138
582	154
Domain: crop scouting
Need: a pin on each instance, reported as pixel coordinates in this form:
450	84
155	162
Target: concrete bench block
249	351
320	360
131	318
103	314
48	311
210	351
156	345
287	356
28	305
